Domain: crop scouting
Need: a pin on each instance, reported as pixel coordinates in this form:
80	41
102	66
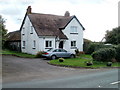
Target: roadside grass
19	54
81	62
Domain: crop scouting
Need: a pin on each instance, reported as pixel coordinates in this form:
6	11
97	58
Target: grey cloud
10	11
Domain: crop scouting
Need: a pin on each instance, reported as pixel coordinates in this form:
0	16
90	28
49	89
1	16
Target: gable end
70	21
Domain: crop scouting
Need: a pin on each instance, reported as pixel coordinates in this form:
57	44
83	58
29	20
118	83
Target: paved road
36	73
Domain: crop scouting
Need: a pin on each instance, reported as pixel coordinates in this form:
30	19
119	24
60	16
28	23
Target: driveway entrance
17	71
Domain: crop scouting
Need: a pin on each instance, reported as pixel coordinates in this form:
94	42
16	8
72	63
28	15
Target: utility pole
118	20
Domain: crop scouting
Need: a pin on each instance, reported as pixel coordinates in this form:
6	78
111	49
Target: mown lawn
81	62
8	52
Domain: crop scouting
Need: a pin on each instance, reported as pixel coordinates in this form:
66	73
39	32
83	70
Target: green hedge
117	53
104	54
96	46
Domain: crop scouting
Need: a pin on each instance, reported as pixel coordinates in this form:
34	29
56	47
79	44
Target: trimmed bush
39	54
61	59
104	54
96	46
89	63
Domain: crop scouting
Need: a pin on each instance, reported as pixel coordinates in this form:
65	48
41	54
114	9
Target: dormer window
31	30
73	30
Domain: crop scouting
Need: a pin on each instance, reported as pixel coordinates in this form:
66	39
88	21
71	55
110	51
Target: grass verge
19	54
81	62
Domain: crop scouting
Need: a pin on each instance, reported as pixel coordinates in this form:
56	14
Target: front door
61	44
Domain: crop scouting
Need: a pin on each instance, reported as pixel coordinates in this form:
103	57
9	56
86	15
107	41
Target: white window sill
23	47
33	48
73	47
48	47
74	33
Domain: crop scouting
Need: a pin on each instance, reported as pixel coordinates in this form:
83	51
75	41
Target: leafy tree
113	36
3	32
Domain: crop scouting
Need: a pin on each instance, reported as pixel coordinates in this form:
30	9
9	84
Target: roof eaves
23	21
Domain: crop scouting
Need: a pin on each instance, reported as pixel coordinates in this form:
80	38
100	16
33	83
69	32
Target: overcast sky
96	16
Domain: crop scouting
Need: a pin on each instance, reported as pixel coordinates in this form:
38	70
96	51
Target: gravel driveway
16	69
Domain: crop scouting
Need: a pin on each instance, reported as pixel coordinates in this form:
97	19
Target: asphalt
36	73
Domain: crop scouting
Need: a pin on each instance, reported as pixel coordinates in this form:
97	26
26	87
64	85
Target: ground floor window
34	44
48	44
73	44
23	44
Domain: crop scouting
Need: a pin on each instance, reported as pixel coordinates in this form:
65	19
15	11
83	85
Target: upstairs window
73	44
73	30
31	30
48	44
23	31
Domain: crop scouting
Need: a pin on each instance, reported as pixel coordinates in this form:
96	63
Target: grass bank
19	54
81	62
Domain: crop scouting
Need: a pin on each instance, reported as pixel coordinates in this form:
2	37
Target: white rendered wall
29	38
40	41
73	37
48	38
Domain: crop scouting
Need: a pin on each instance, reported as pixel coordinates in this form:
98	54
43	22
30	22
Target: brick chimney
67	14
29	9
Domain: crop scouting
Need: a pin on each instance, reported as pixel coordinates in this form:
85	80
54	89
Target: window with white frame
73	29
34	44
73	44
23	45
31	30
23	31
48	44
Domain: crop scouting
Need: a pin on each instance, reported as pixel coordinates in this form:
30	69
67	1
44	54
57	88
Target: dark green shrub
118	53
96	46
39	54
104	54
93	47
86	45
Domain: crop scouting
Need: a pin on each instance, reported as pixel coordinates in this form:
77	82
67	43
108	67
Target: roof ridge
15	31
51	14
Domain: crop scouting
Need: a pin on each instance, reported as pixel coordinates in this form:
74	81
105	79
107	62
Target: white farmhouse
40	32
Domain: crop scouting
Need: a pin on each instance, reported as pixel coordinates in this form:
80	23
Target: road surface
43	75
